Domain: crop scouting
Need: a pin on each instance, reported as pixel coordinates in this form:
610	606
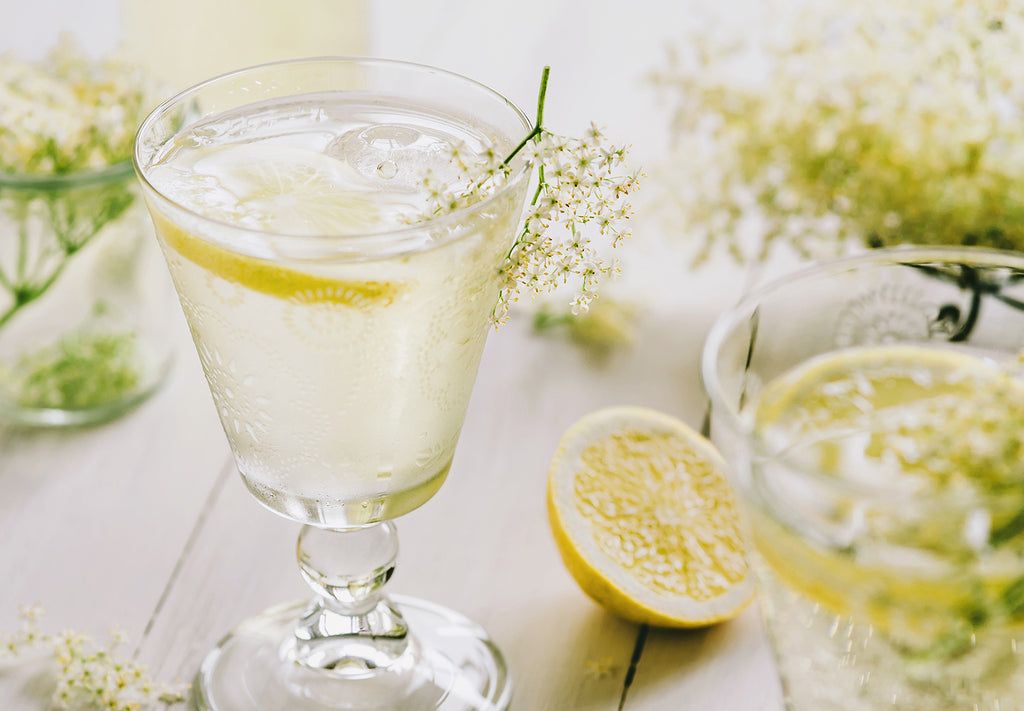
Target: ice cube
395	156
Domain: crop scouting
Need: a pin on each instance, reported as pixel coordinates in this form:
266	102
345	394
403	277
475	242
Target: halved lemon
645	520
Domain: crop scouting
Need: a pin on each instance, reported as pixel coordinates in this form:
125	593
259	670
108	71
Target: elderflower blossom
579	207
90	675
959	449
977	437
67	113
825	121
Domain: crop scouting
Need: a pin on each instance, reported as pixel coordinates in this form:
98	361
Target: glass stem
350	629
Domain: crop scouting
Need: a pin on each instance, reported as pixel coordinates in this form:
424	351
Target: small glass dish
83	298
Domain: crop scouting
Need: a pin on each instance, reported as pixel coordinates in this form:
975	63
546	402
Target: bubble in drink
398	153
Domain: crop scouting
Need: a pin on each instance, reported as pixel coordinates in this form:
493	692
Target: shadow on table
726	666
571	656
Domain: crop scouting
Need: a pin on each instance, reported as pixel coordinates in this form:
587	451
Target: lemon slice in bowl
645	520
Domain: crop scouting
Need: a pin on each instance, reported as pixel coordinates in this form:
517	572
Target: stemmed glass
340	338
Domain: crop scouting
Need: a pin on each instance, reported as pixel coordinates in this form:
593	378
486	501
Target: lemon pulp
645	521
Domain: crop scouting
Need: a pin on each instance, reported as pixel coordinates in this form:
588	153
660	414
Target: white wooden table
143	523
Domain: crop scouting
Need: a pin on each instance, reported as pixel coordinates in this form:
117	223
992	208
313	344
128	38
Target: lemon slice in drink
292	190
925	418
284	190
645	520
938	431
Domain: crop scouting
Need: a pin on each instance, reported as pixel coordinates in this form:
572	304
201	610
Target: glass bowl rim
381	239
86	177
744	309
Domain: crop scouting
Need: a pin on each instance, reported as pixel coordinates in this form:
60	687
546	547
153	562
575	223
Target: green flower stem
538	124
24	295
84	216
22	291
22	250
538	128
5	281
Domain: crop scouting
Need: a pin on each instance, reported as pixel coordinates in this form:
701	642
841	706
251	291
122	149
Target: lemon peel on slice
645	521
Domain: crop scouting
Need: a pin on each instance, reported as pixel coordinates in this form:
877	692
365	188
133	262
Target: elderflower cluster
825	121
67	113
90	675
965	450
975	438
579	208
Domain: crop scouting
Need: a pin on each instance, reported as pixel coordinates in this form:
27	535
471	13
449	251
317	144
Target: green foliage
68	113
83	370
53	225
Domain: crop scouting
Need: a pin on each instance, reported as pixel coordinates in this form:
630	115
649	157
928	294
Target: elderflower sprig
58	116
578	209
67	113
90	674
826	123
85	368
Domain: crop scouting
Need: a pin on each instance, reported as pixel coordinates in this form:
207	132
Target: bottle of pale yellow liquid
185	42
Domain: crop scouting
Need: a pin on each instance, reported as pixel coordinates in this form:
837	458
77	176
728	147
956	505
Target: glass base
327	512
451	665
